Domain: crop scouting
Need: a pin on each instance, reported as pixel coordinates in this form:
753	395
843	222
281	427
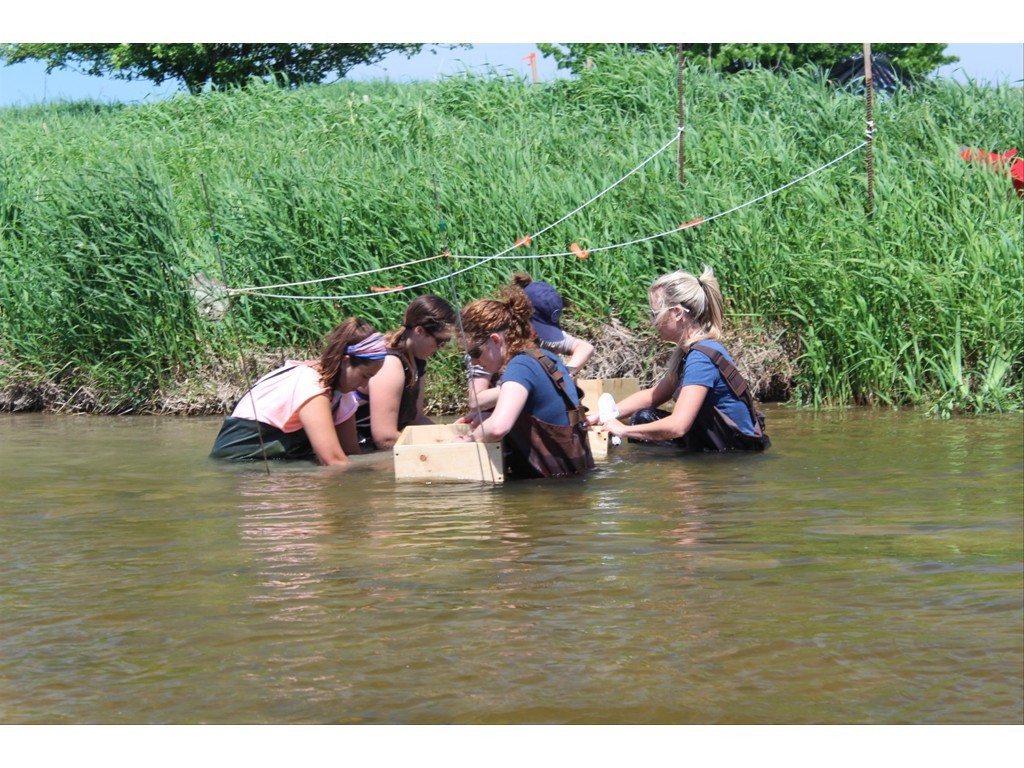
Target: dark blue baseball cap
547	310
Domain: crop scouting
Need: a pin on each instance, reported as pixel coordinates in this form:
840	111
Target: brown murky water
867	569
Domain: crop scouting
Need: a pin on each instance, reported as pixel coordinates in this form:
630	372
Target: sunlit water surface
866	569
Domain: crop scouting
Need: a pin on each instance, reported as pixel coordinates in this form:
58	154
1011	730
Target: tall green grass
103	220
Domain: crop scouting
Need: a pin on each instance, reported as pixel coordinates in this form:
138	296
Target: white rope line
261	289
396	289
695	223
256	289
481	260
599	195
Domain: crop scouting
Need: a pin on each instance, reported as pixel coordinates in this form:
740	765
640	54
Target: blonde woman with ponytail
714	409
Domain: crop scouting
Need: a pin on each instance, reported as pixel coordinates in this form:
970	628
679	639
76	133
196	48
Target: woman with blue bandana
306	409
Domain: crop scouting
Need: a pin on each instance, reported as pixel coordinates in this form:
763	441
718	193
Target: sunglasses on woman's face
475	352
439	339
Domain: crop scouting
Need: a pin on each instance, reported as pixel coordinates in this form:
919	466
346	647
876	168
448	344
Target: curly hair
510	313
352	331
521	279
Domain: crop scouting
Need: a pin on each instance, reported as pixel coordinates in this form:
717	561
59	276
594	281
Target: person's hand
472	418
614	427
593	420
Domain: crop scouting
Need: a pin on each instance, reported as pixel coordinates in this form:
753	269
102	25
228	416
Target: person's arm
511	401
348	436
645	398
385	401
481	394
581	352
676	424
318	423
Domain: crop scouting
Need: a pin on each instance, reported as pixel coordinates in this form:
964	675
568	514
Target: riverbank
620	352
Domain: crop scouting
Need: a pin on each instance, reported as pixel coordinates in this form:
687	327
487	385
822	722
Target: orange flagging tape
385	288
693	223
580	253
523	241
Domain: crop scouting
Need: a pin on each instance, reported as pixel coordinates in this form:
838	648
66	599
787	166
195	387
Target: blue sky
995	57
28	83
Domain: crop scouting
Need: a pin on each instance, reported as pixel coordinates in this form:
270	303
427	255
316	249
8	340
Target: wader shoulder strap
732	376
574	411
410	390
409	375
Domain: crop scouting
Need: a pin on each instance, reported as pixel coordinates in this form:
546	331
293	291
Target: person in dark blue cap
546	322
547	314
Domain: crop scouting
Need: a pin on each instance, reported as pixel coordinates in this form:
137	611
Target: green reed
103	220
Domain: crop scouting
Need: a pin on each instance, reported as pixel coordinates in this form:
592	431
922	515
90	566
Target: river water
866	569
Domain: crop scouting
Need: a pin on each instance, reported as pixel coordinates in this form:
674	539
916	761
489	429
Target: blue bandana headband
370	348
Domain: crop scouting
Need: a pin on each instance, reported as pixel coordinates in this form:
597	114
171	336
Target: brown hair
352	331
510	313
431	312
521	279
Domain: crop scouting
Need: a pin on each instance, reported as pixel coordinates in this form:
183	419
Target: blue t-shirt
700	369
544	400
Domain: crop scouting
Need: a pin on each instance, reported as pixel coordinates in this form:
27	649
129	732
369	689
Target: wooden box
427	453
592	391
594	388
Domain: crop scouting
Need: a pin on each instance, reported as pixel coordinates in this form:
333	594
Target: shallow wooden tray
427	453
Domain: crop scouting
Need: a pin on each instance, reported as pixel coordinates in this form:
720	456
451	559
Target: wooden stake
869	95
532	58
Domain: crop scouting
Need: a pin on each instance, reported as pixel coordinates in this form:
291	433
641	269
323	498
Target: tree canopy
219	65
916	58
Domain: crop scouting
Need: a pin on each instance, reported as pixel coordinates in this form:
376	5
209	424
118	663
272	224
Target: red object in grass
523	241
1009	160
580	253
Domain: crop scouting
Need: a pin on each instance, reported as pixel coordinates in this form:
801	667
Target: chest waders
536	448
712	430
240	438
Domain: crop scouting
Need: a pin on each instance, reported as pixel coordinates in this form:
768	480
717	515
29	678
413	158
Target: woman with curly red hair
538	410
